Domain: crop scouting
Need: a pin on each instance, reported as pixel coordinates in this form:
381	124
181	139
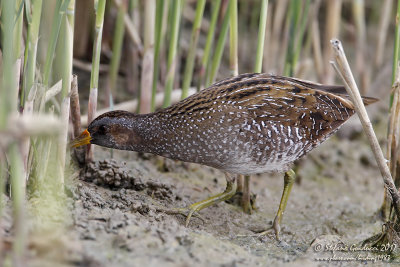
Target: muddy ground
113	216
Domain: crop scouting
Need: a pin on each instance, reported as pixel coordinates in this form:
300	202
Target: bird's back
254	123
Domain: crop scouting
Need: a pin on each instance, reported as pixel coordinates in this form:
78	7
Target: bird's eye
102	129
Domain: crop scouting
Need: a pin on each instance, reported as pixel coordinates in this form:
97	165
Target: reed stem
187	78
31	50
209	41
94	74
157	47
261	36
148	57
233	37
173	47
60	9
219	47
117	48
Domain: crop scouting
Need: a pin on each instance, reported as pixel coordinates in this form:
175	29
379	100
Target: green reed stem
396	47
173	47
99	10
298	20
18	197
157	47
220	47
233	37
7	105
117	47
68	45
31	49
261	36
210	38
187	78
60	9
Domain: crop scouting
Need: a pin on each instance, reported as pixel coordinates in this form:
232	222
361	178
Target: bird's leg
240	183
246	201
243	197
290	176
190	210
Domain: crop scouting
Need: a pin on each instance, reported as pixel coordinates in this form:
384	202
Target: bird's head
112	129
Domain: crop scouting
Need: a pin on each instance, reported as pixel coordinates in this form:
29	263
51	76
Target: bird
248	124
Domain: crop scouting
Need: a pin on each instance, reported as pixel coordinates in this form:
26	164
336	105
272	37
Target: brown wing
317	110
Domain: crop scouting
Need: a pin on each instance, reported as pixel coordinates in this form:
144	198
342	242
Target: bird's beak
83	139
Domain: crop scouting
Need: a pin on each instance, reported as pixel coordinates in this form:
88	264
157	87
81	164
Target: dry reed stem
132	104
361	67
332	23
267	42
63	138
146	84
75	107
316	43
21	127
53	91
341	65
92	107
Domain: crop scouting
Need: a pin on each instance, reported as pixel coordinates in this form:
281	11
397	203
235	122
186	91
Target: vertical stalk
66	81
298	20
68	48
99	6
117	47
220	47
148	57
99	9
210	38
396	47
18	197
261	36
157	47
8	105
60	9
7	102
187	78
31	49
278	46
173	45
359	17
233	37
332	30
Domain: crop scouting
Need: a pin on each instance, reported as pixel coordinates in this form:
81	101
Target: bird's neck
153	132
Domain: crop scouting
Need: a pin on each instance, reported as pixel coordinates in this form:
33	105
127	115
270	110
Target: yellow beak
83	139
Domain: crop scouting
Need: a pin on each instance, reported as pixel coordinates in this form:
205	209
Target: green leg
288	184
227	194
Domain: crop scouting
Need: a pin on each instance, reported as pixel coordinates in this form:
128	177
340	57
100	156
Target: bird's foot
195	207
275	228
